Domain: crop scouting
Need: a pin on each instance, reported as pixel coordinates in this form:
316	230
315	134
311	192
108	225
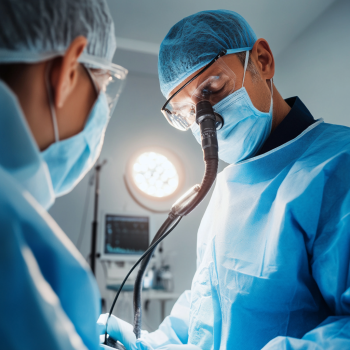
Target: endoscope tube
206	119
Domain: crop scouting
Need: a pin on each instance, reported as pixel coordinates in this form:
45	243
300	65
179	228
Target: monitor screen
126	234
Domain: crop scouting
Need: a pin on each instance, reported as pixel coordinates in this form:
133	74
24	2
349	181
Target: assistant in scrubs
55	71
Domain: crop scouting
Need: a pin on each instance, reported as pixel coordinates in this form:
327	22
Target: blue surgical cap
37	30
196	40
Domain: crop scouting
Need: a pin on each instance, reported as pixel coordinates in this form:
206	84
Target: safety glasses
218	82
110	81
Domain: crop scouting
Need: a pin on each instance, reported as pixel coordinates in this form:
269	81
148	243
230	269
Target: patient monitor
124	239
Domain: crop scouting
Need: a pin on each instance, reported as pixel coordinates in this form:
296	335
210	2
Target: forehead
231	61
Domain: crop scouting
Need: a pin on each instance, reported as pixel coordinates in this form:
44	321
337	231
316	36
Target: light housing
154	176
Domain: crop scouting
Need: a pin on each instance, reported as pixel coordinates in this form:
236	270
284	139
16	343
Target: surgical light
154	174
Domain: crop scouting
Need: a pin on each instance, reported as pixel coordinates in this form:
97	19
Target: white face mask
245	128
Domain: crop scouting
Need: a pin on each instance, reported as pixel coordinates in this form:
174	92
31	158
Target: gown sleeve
329	251
31	313
174	328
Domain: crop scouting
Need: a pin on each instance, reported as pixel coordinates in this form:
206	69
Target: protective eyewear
215	85
109	79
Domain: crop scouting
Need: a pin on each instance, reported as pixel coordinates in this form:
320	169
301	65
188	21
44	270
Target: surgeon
273	250
55	103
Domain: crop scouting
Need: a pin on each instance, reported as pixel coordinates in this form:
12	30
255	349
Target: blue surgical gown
273	252
48	296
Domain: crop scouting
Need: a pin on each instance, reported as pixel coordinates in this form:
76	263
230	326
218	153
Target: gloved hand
118	330
123	332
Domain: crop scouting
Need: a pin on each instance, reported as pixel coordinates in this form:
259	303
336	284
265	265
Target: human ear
263	59
64	71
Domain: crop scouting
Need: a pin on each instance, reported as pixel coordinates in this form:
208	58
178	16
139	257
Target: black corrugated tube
206	119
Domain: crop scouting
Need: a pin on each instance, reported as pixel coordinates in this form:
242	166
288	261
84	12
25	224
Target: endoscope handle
179	208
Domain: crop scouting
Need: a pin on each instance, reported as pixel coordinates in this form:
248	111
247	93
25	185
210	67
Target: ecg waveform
118	250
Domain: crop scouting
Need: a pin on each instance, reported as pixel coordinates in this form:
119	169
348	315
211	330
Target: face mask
69	160
245	128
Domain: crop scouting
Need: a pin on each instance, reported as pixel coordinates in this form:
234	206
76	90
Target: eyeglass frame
220	54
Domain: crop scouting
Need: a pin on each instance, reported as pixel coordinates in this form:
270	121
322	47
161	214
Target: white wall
316	66
137	122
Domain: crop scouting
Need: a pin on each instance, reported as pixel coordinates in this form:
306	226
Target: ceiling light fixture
154	177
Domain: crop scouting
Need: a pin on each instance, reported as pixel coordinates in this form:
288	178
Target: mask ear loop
51	104
245	65
271	105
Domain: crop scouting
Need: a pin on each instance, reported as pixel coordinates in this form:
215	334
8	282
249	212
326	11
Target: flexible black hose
211	167
139	279
207	121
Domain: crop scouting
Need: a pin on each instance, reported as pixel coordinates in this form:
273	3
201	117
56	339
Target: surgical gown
48	296
273	254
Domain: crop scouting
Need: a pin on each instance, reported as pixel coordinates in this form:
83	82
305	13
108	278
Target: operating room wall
316	67
137	122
